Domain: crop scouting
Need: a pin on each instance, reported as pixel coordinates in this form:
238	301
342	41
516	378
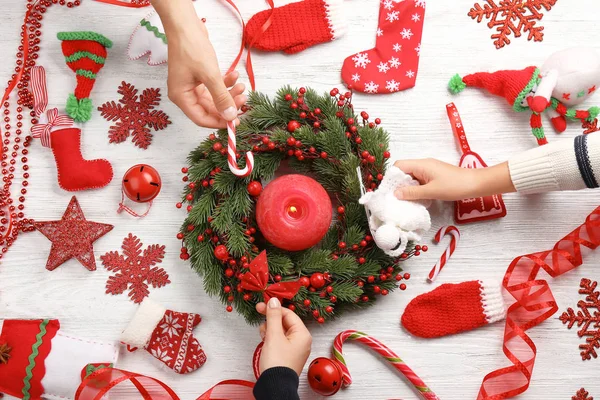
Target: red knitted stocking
453	308
393	64
297	26
74	172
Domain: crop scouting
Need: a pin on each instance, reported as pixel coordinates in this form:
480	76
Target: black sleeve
277	383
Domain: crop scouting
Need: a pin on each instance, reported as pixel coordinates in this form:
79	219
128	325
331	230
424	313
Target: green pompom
594	112
456	84
79	110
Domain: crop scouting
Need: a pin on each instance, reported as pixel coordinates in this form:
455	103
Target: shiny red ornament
304	281
317	280
324	376
221	252
293	125
141	183
254	188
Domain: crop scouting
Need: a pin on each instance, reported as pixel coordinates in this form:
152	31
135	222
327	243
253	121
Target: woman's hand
442	181
287	341
195	82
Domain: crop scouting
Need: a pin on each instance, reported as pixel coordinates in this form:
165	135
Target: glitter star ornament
72	237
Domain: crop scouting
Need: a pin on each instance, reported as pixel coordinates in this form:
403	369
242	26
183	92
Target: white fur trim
492	301
336	17
140	329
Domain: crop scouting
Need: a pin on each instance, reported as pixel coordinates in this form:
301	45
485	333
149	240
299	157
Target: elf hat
513	85
85	53
453	308
27	344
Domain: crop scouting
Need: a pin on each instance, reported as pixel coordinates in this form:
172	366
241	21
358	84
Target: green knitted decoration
594	112
456	84
79	110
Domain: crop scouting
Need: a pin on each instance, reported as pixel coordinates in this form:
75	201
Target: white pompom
387	237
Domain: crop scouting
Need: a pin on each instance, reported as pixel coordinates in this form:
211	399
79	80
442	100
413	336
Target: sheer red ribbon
534	304
105	380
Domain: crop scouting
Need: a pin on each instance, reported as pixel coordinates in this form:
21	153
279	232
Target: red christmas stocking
167	335
453	308
74	172
393	64
297	26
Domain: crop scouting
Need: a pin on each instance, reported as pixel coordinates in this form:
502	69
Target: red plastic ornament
324	376
221	252
293	125
317	280
304	281
254	188
141	183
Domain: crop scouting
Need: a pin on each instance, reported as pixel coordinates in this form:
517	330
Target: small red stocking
392	65
167	335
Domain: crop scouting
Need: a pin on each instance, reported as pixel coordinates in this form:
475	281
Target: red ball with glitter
141	183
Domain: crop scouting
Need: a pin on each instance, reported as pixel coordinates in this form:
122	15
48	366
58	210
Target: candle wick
293	209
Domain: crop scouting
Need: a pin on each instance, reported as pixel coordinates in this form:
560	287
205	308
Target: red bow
257	280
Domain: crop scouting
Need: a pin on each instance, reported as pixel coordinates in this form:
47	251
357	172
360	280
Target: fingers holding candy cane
232	154
454	234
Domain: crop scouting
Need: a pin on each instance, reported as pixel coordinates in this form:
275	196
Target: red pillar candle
293	212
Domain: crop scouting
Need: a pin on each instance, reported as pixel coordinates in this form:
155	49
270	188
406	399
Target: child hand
287	341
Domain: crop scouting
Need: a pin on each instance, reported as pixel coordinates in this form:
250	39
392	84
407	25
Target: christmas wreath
320	136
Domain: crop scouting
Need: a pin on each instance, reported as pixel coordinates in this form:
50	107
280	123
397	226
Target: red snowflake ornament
133	269
586	319
512	16
135	115
582	394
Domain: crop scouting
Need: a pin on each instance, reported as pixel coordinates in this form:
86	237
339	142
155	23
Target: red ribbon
534	304
126	3
43	131
104	380
257	280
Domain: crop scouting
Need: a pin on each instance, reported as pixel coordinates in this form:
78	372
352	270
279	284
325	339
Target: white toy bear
395	222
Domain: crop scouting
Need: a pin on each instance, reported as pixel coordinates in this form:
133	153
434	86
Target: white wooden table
416	119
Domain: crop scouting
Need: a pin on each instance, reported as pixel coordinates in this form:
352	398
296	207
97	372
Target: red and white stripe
232	154
454	234
38	88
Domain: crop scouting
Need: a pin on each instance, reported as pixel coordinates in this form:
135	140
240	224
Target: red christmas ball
221	252
141	183
317	280
254	188
293	125
324	376
304	281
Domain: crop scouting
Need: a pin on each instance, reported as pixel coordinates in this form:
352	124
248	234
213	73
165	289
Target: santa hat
85	53
513	85
453	308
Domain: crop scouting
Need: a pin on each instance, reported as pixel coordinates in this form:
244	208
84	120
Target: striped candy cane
455	236
232	157
386	353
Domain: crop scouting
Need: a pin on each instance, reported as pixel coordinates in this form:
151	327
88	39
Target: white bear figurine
395	222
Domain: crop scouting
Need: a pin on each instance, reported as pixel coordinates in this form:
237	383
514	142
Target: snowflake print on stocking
392	64
135	114
587	319
167	335
135	270
512	16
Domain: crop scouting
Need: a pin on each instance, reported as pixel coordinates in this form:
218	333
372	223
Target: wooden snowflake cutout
512	17
135	115
134	269
582	394
586	319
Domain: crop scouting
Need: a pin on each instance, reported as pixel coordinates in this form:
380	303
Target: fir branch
353	235
202	209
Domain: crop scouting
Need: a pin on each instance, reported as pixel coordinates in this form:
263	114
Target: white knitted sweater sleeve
569	164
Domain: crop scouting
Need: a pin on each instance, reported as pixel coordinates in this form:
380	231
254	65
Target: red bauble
324	376
221	252
294	212
254	188
293	125
141	183
304	281
317	280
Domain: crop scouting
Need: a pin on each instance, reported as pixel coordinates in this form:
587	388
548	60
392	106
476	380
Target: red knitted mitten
453	308
85	53
167	335
74	172
393	64
297	26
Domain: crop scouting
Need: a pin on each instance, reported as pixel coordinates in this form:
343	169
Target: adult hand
195	82
287	341
442	181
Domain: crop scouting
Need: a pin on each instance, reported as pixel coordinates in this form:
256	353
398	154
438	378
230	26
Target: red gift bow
257	280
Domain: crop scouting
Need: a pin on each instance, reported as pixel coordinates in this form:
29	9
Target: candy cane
386	353
232	157
455	236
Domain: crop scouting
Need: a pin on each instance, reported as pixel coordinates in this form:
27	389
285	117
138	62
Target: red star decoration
72	237
567	96
592	90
